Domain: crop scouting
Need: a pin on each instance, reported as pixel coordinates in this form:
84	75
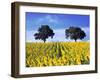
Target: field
57	54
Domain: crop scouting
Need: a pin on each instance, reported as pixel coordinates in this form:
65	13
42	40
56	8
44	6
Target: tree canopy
44	32
75	33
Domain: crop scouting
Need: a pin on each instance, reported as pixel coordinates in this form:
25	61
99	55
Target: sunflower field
40	54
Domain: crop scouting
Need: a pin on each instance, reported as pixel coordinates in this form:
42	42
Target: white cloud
48	19
30	36
85	28
87	31
51	19
59	36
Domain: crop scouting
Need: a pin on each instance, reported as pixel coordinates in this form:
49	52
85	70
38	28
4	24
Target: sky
57	22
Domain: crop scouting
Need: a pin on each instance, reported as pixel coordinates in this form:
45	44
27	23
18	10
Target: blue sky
58	22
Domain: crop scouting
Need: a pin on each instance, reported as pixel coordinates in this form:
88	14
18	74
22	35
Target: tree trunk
75	40
44	40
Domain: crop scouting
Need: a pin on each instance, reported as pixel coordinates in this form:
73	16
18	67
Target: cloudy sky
58	22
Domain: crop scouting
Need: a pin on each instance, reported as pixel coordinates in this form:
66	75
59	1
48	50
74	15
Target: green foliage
44	32
75	33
